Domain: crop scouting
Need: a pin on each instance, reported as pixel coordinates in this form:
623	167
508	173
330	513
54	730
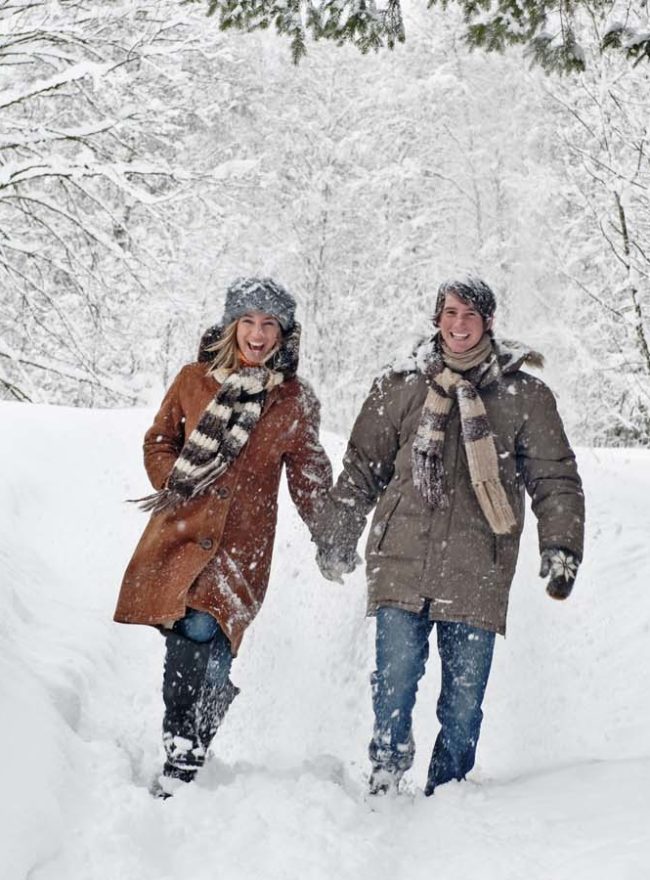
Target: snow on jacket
451	556
214	553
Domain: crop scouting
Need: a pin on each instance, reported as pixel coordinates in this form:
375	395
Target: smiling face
257	336
461	326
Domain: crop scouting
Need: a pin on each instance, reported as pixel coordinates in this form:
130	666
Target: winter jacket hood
511	355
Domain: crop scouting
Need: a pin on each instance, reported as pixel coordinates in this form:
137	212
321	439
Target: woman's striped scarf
445	386
227	422
220	435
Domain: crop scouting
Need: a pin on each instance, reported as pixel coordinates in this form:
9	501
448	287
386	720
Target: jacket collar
511	356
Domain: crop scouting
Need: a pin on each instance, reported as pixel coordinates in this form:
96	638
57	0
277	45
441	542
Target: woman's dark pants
197	691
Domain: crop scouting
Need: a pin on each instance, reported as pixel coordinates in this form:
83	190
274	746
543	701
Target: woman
215	453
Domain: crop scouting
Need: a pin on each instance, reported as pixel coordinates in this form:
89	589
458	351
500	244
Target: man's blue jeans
402	651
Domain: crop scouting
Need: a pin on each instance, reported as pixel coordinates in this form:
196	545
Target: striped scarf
445	386
220	435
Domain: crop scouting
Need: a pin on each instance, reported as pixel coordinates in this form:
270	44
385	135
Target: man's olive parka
450	556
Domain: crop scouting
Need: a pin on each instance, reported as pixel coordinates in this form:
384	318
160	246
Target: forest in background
147	159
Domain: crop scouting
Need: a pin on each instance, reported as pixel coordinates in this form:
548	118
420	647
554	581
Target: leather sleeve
166	437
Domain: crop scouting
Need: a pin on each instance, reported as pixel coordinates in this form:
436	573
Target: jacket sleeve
309	472
166	437
368	466
549	469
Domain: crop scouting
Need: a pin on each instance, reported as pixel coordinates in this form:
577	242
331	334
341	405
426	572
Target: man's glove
562	566
334	563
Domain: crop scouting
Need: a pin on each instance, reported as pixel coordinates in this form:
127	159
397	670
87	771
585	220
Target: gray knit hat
469	289
259	295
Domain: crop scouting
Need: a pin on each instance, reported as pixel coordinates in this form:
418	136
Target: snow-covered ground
562	784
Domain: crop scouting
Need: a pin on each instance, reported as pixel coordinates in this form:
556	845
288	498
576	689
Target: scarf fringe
169	499
156	502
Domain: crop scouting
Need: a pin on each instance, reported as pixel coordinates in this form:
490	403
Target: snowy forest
147	158
150	153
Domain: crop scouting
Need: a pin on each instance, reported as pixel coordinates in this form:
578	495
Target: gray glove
562	566
334	563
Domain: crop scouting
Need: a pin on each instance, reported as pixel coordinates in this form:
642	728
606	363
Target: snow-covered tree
96	183
603	142
551	31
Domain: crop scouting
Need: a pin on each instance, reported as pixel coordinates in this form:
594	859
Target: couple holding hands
444	448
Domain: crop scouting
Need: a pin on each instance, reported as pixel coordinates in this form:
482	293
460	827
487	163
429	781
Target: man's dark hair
471	290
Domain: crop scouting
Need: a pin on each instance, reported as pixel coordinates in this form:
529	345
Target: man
444	447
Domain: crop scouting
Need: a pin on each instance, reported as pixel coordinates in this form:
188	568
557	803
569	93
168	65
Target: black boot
194	709
183	683
211	710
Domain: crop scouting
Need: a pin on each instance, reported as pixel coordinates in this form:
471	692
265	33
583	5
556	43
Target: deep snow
562	784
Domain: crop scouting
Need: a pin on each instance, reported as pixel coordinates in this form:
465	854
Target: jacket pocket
380	528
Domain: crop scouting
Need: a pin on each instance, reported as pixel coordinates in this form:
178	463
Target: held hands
562	566
334	562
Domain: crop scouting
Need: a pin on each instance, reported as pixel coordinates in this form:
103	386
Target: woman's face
257	336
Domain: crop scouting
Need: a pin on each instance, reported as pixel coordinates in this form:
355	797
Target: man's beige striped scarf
445	386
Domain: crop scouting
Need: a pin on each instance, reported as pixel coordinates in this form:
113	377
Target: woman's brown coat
214	553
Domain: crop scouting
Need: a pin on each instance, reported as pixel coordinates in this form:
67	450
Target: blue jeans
201	628
402	652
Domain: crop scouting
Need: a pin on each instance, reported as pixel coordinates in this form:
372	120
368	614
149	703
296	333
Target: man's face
461	326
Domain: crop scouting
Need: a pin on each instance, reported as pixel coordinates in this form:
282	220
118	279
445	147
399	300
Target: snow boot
384	782
167	783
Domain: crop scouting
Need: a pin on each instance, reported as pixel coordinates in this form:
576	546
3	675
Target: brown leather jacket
214	553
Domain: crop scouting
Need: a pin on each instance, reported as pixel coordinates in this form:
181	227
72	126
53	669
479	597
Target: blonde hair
226	350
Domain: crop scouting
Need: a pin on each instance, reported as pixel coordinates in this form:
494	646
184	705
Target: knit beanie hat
259	295
470	290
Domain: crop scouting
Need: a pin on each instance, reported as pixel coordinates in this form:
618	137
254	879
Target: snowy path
562	787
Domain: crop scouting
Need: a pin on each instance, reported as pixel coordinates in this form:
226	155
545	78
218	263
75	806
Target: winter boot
211	709
166	784
183	684
384	782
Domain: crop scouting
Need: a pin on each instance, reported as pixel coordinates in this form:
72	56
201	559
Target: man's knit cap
259	295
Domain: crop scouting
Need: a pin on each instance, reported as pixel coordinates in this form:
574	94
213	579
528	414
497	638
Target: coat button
223	492
206	543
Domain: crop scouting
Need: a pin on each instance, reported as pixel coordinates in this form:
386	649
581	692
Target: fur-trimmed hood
285	360
511	355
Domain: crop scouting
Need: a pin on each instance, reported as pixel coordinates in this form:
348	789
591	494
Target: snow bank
563	780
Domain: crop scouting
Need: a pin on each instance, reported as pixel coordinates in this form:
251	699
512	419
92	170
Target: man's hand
562	566
334	563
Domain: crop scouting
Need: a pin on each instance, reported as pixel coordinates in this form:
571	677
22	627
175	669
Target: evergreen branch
547	29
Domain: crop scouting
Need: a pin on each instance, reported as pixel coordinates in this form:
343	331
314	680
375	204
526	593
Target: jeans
402	646
197	690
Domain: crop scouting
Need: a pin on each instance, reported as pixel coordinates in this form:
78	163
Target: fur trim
511	355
